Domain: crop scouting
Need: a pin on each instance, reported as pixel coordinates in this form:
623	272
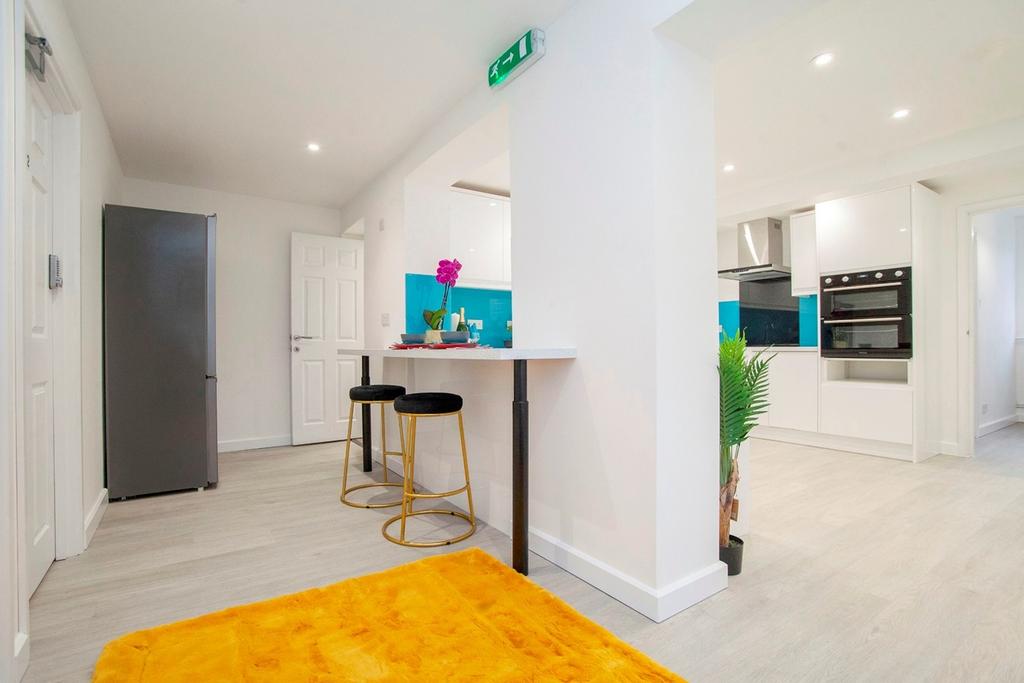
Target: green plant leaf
743	396
437	318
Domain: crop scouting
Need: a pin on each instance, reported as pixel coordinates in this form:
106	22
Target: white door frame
69	526
335	406
13	653
967	321
67	243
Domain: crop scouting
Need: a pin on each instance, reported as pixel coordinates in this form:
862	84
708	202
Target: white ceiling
956	64
225	94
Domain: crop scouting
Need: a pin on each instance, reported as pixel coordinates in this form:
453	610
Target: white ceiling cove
225	94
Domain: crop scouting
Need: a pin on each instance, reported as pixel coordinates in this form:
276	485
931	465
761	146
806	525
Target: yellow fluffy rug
462	616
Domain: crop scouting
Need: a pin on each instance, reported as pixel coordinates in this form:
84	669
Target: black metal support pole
520	470
367	440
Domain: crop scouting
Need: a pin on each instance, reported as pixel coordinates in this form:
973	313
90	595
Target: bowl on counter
412	338
455	337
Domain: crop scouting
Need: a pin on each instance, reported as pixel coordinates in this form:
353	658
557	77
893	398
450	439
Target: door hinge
28	161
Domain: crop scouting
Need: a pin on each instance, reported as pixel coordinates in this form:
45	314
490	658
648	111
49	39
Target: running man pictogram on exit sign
514	60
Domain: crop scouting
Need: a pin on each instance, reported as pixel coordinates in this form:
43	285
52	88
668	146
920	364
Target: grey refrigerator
159	350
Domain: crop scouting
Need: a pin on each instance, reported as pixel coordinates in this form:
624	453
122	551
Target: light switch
385	320
478	323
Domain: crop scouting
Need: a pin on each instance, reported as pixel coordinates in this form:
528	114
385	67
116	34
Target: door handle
297	337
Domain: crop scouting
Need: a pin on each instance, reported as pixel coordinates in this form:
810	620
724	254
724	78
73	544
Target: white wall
1018	229
613	187
995	372
253	302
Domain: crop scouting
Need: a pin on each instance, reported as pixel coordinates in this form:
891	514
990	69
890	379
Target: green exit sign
516	58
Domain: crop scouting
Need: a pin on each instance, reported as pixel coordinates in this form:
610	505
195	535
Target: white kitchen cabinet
864	232
480	237
793	391
868	410
506	226
803	254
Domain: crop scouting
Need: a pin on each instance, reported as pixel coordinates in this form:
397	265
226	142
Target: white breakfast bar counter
520	419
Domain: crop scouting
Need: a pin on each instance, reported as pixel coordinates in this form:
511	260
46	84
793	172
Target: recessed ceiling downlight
313	147
824	59
901	113
728	168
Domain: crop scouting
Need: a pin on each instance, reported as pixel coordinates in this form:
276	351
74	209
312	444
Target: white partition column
614	252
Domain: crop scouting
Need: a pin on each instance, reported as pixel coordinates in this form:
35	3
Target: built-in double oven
867	314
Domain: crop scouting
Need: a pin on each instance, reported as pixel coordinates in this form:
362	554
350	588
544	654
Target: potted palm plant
743	396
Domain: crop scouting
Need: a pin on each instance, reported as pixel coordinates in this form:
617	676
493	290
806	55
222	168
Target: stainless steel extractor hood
759	248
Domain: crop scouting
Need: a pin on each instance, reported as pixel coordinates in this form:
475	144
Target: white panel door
327	315
38	339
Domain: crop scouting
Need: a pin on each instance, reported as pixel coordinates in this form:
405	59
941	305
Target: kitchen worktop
466	354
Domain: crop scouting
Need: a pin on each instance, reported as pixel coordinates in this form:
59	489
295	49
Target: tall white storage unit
880	406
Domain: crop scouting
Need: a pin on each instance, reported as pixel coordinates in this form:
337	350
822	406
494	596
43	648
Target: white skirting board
996	425
233	445
655	604
95	515
836	443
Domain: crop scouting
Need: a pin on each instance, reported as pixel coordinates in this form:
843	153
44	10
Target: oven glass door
885	337
889	299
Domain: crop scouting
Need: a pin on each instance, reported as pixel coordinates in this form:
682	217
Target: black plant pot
732	555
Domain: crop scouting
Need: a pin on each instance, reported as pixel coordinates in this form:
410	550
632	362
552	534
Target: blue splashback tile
729	317
492	306
809	320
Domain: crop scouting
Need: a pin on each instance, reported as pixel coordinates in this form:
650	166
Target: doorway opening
998	331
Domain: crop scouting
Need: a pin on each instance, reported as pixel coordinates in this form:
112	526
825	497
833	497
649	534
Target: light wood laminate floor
857	568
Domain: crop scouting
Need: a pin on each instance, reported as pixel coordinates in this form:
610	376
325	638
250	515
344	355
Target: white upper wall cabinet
480	238
506	226
803	254
864	232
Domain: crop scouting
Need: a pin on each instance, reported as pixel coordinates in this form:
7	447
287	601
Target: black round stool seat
428	403
376	392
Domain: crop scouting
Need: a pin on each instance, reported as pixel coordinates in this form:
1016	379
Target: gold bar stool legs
414	408
345	489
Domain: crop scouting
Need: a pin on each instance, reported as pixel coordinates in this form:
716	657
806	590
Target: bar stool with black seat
415	407
382	394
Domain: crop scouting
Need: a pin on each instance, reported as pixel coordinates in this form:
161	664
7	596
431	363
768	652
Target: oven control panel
867	277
